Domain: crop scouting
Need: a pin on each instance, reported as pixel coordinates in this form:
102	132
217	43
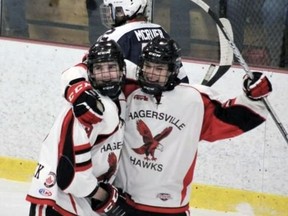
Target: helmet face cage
164	52
106	16
121	10
110	53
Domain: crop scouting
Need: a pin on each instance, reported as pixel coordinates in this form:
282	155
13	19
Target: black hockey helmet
160	51
101	52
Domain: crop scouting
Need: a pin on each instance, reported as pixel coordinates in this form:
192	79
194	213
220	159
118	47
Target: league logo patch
50	180
164	196
45	192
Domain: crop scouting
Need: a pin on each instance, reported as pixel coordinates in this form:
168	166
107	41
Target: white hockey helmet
121	10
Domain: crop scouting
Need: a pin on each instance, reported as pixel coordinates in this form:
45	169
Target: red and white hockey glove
258	87
111	206
87	105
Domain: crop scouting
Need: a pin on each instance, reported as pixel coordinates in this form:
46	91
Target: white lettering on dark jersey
158	116
148	34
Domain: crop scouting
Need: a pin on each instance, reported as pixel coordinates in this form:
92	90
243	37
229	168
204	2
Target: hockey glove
87	105
258	87
111	206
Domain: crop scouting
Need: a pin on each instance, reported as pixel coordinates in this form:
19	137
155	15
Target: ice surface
12	201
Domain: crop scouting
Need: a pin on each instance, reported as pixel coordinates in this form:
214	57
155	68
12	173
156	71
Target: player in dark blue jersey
131	28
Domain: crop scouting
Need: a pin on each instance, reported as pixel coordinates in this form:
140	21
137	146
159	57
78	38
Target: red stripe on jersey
188	179
84	147
49	202
73	202
162	210
64	130
39	201
83	167
40	210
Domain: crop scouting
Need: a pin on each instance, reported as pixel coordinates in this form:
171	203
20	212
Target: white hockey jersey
161	140
93	156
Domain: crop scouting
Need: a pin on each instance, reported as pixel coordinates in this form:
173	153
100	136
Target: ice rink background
30	80
12	201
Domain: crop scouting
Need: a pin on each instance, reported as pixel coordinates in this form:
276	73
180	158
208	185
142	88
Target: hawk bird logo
150	143
112	161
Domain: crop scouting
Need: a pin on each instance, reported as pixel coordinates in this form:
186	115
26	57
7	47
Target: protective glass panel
260	27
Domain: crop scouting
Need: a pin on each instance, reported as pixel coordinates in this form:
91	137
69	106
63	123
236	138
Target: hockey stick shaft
276	119
236	51
208	74
242	62
226	52
219	73
226	56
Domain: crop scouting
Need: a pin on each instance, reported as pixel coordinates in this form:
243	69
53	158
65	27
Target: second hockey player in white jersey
79	157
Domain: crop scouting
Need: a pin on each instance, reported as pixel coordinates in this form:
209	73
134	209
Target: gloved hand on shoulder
258	87
86	103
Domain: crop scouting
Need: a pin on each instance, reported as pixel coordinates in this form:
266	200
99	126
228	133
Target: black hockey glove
258	87
111	206
87	105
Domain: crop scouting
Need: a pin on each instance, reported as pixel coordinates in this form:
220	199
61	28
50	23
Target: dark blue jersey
133	36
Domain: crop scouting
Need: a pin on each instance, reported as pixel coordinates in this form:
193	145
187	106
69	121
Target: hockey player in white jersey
131	29
165	120
79	157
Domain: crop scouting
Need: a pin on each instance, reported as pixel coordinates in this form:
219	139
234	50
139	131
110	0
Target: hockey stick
226	52
226	56
242	62
208	74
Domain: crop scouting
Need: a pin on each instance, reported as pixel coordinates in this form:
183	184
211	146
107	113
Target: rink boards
248	173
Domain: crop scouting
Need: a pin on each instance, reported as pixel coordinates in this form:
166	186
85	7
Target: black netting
260	28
